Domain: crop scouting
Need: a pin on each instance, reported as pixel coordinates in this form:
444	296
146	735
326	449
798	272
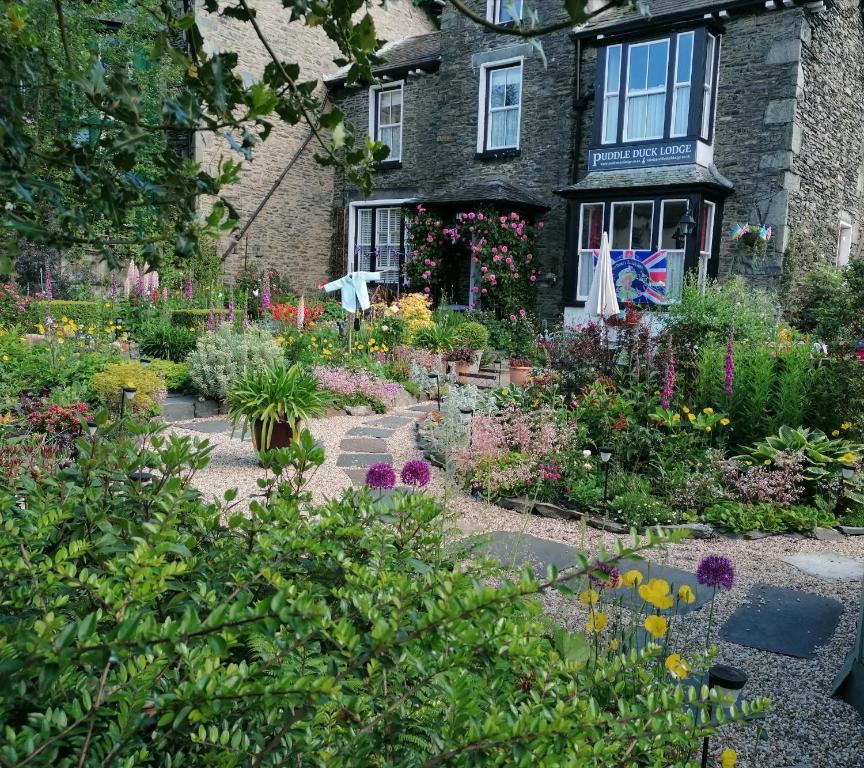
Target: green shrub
219	357
472	335
772	518
196	319
82	312
144	625
168	342
149	386
176	375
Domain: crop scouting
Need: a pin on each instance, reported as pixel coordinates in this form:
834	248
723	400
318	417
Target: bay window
590	238
645	105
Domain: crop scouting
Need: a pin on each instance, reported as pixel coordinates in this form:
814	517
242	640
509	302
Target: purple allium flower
49	286
611	576
211	321
188	287
381	476
230	311
716	571
416	473
668	383
730	367
113	287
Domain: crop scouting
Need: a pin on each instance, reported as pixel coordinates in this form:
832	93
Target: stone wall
828	172
292	234
440	130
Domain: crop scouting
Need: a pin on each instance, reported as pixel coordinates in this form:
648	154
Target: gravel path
805	726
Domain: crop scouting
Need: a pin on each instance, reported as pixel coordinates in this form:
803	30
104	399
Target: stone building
665	131
284	198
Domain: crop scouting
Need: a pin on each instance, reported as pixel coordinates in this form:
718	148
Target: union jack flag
640	275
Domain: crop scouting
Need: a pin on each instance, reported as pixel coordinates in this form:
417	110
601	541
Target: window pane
497	87
621	214
363	239
706	113
613	69
514	86
706	227
685	58
511	130
497	129
645	116
642	213
709	60
592	226
674	275
396	107
395	143
638	68
506	10
586	272
610	119
672	212
658	60
682	108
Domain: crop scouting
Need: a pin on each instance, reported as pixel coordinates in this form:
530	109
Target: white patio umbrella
602	301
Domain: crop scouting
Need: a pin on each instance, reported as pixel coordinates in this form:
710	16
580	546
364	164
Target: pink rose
426	289
533	279
512	318
508	260
522	313
504	249
475	289
502	219
484	270
529	257
480	217
514	215
471	216
484	291
540	225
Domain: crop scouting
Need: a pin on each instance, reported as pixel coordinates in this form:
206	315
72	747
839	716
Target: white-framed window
386	118
632	226
645	103
501	106
708	86
611	94
378	237
506	11
681	88
590	238
673	242
844	242
706	240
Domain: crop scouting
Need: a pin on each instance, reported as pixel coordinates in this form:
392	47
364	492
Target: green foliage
176	375
274	393
168	342
196	318
773	518
435	337
146	621
221	356
82	312
149	386
636	505
832	304
472	335
837	396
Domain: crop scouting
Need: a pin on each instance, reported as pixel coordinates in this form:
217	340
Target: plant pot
461	367
474	365
283	433
520	375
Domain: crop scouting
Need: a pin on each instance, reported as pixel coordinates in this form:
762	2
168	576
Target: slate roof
638	178
497	191
407	53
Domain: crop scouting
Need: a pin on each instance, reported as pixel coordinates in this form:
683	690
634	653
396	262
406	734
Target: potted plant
475	337
461	358
523	345
273	400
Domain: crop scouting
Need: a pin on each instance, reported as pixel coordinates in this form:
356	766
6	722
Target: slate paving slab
391	421
363	459
509	547
210	427
783	621
364	445
827	565
424	407
369	432
358	476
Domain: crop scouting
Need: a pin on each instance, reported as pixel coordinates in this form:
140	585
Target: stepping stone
210	427
783	621
385	496
364	445
424	407
178	408
369	432
363	459
827	565
391	421
510	547
358	476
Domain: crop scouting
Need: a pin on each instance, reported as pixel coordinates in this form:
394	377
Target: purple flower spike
716	571
381	476
730	367
668	383
416	473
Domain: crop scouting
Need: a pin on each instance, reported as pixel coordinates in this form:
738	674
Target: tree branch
61	23
519	30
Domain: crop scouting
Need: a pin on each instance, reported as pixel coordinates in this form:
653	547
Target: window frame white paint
676	85
705	255
499	5
352	224
646	91
374	105
586	255
678	254
483	123
608	95
708	89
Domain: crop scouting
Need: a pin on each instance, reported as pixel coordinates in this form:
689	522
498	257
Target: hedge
81	312
195	318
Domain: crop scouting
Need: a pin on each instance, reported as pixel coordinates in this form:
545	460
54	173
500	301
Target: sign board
643	155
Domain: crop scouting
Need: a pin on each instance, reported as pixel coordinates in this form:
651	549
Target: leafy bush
833	304
196	319
176	375
13	306
773	518
167	342
472	335
635	504
149	386
434	337
80	312
220	356
142	621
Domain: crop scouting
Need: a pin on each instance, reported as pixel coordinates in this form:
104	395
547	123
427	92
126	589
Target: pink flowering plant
499	244
13	306
351	384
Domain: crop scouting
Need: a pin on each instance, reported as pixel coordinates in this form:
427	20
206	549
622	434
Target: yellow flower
5	358
749	463
597	622
835	432
708	410
632	578
656	592
371	341
767	462
691	417
728	758
613	644
686	409
707	429
589	597
64	319
677	666
848	458
724	421
686	594
846	425
656	626
676	417
130	384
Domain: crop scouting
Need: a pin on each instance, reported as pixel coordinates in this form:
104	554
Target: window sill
498	154
388	165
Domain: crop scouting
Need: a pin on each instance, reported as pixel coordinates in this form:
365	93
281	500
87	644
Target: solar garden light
145	361
141	478
846	473
606	458
728	682
498	365
437	378
468	420
91	428
127	394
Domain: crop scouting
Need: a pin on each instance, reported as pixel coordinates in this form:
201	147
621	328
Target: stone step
369	432
363	459
364	445
178	408
390	422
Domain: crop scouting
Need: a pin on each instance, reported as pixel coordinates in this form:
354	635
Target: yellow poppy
597	622
724	421
848	457
728	758
677	666
708	410
613	644
676	417
686	594
656	626
686	409
691	417
589	597
656	592
707	429
846	425
835	432
767	462
632	578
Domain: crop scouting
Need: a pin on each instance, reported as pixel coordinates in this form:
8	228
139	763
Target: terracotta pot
283	432
520	375
474	365
461	367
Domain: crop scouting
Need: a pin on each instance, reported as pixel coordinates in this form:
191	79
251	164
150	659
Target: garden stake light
127	393
728	681
606	457
468	420
846	473
498	365
437	378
